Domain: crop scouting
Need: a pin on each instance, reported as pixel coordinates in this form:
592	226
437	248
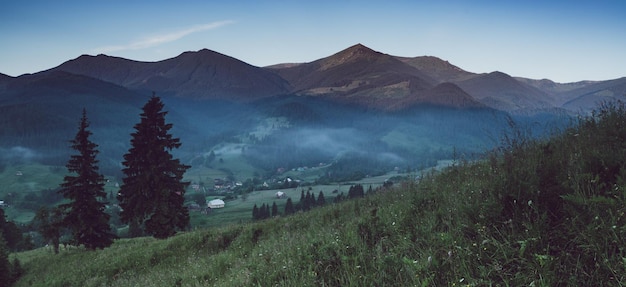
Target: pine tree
320	199
84	214
274	209
356	191
255	212
265	211
152	193
302	202
289	208
308	202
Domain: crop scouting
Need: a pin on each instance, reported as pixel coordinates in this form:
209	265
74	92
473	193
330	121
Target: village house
216	203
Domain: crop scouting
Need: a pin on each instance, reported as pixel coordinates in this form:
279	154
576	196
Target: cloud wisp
156	40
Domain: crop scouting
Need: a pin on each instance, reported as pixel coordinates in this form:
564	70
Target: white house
216	203
280	194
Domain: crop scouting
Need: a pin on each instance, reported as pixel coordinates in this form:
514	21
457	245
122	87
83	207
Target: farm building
216	203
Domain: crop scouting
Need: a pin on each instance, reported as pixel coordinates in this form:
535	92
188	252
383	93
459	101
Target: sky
565	41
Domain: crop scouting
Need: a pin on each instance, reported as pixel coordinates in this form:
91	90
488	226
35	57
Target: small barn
216	203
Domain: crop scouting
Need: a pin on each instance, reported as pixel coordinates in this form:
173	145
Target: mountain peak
355	53
201	52
360	47
357	50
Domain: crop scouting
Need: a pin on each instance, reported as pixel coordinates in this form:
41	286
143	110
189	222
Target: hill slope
508	220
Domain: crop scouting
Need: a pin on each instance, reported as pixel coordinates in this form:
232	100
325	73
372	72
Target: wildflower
430	259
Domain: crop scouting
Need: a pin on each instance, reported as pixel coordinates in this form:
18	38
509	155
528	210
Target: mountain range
355	103
357	75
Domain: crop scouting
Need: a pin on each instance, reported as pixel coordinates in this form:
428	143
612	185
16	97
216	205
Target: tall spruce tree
321	200
289	208
84	214
255	212
153	190
274	209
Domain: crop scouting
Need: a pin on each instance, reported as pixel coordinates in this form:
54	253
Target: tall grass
533	213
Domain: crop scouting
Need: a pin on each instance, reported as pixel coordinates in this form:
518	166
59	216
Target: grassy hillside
534	213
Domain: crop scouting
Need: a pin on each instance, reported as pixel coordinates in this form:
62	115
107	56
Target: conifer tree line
309	201
151	197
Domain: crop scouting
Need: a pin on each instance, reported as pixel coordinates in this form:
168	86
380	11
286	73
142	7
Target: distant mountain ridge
357	75
363	76
198	75
438	69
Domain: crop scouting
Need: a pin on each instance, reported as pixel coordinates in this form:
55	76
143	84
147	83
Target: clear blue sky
561	40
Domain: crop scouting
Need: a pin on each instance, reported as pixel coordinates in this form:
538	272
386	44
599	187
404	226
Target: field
27	181
240	210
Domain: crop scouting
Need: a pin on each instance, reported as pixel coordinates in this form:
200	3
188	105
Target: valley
312	143
358	116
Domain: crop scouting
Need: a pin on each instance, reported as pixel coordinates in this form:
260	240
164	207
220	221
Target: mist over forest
286	133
